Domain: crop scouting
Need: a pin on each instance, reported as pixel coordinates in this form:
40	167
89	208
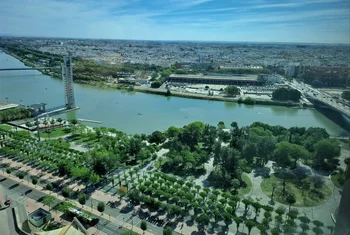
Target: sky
312	21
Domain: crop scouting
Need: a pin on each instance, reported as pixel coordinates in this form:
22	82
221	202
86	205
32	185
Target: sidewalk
87	208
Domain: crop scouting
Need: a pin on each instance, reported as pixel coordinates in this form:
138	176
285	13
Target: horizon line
181	40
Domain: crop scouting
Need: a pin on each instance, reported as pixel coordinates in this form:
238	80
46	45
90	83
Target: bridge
55	111
29	68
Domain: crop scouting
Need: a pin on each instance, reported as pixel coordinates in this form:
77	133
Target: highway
321	96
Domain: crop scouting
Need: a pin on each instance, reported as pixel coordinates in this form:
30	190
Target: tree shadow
13	186
264	172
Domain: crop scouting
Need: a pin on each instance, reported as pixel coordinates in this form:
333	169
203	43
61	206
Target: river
120	109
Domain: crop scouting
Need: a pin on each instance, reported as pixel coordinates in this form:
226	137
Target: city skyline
311	21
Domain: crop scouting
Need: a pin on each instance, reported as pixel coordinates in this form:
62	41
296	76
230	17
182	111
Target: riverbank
157	91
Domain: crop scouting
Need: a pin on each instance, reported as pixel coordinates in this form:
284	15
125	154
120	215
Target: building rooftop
250	77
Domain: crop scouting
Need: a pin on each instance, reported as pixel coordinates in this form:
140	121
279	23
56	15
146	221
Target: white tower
67	76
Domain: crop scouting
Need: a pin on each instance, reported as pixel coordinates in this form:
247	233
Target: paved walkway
321	212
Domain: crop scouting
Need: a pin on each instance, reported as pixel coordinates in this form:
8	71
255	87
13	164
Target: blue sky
320	21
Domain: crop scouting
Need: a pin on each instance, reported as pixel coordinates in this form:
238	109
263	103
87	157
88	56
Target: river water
120	109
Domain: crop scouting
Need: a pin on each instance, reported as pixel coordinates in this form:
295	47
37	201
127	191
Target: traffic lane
21	190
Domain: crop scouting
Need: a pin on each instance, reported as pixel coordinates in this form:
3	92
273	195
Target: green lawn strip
243	191
55	133
5	127
335	179
303	201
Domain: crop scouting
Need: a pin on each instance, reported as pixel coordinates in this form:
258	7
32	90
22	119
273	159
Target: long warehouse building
236	79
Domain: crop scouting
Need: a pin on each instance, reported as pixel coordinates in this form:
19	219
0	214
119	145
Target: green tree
66	192
238	221
250	224
290	199
101	207
325	149
34	180
49	200
286	94
49	186
203	219
94	178
167	231
20	175
143	225
157	137
232	91
74	121
82	198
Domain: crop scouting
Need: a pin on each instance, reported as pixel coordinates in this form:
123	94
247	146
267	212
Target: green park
203	176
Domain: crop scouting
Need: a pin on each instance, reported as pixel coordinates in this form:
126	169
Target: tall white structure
67	76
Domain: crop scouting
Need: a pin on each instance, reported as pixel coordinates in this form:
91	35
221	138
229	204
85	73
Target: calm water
120	109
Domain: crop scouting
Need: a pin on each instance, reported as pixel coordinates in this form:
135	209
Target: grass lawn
335	179
243	191
5	127
56	133
310	198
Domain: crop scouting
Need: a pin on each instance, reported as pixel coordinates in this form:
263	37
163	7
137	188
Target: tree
59	120
66	192
34	180
280	210
304	227
290	199
167	231
331	229
293	214
49	186
250	224
317	181
317	230
304	219
49	200
143	225
173	132
101	207
325	149
203	219
20	175
82	198
238	221
317	223
157	137
286	94
74	121
94	178
262	228
286	176
232	91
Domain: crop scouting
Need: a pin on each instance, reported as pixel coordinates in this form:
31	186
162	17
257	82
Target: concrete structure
74	228
342	226
237	79
5	106
67	76
269	79
292	70
39	217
